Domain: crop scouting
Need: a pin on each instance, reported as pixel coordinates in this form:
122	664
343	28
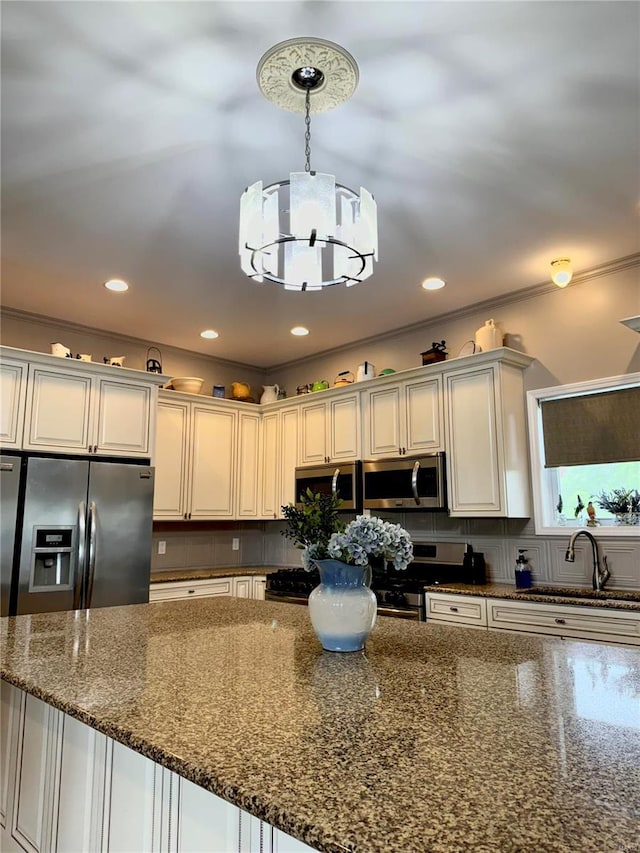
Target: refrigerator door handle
93	522
82	556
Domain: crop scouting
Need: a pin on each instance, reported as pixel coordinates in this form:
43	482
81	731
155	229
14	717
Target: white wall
37	334
574	334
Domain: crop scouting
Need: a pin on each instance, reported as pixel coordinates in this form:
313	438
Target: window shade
592	428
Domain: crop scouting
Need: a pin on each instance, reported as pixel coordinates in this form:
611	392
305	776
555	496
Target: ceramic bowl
188	384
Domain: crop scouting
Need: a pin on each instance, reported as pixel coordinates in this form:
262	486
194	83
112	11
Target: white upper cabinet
403	418
67	406
212	468
172	459
280	455
13	384
207	458
248	479
487	459
330	430
270	466
82	413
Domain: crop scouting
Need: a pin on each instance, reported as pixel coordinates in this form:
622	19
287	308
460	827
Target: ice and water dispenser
52	559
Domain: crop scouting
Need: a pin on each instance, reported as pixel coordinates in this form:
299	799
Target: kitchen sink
602	594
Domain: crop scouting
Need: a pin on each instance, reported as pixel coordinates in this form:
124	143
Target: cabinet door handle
191	591
560	621
453	609
189	516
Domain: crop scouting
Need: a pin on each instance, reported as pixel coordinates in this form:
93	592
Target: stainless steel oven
405	482
341	478
399	593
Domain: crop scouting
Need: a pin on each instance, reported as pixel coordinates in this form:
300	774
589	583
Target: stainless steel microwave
341	478
405	482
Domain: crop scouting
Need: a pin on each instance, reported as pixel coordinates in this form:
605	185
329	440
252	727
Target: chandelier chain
307	132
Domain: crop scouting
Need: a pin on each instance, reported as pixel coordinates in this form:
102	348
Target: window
585	456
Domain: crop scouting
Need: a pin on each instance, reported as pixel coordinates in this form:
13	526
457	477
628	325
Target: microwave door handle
414	482
334	482
81	556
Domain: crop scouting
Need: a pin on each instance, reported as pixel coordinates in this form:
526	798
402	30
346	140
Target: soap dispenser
523	571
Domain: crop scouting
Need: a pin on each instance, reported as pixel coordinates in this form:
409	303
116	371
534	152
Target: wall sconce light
561	271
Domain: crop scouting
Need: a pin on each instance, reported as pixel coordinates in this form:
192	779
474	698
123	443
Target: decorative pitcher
269	393
342	609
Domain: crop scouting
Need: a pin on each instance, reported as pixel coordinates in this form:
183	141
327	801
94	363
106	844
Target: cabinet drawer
196	589
462	609
590	623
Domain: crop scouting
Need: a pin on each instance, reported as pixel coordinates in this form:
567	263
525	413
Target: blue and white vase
342	608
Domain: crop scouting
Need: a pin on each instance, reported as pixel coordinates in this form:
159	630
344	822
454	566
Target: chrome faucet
600	576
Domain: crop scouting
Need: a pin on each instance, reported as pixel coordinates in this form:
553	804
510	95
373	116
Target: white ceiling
495	137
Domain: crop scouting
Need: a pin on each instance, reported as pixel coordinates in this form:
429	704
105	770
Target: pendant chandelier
307	232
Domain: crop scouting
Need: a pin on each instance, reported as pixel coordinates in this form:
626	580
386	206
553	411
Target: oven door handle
334	482
414	482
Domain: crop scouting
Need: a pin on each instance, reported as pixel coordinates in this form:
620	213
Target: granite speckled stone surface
582	597
172	575
436	739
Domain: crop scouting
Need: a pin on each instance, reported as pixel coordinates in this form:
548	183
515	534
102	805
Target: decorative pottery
342	608
488	337
269	393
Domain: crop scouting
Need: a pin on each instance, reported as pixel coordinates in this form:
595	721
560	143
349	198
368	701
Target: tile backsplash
262	543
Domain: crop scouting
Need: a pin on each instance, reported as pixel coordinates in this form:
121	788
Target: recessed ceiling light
117	285
209	333
433	283
299	330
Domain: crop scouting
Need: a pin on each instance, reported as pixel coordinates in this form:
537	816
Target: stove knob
396	598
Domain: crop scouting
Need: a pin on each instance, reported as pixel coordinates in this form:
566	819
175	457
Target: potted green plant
311	524
343	608
623	503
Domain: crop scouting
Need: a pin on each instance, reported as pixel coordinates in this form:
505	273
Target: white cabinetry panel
171	475
344	429
203	821
13	382
58	411
124	417
248	465
33	792
213	445
133	801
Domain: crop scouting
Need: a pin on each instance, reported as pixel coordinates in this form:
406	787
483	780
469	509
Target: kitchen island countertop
437	739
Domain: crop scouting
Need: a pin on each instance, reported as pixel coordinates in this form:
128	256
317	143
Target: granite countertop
583	597
438	739
169	575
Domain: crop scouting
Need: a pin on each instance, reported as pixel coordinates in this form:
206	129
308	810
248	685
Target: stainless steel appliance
399	594
405	482
77	533
341	478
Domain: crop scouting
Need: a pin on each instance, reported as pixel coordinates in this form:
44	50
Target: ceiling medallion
329	233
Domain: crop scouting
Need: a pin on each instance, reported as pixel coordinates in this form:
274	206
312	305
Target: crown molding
43	320
582	277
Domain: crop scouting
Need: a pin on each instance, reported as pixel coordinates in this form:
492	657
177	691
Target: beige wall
37	334
574	334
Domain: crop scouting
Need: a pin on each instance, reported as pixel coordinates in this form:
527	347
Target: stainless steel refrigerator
76	533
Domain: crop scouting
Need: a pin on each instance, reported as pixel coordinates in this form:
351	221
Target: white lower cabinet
245	586
461	609
588	623
605	624
67	788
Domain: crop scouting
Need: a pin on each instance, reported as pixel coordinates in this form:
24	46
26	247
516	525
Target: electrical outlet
162	547
235	544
